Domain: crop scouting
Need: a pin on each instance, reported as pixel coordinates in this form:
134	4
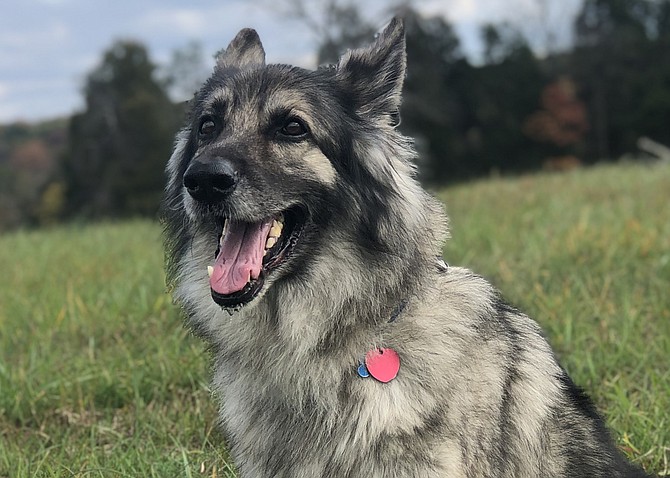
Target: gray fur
245	51
479	392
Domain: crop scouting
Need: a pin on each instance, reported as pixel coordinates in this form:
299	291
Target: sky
47	47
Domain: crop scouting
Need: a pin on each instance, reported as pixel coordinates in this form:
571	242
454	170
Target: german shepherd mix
343	346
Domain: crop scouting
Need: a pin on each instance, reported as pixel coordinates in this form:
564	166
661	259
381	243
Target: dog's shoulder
471	313
457	290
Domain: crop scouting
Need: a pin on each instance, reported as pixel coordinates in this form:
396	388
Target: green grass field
99	378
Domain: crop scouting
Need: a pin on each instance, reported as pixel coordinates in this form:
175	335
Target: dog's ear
245	51
375	74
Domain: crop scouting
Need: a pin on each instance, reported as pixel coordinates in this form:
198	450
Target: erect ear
245	51
375	74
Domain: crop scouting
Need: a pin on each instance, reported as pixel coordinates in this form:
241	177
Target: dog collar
382	364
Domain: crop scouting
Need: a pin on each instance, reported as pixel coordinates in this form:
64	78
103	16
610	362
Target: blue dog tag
363	370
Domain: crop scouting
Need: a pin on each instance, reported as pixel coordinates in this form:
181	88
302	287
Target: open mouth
248	252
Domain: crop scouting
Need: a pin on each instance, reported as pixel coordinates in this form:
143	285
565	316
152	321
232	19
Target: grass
97	375
99	378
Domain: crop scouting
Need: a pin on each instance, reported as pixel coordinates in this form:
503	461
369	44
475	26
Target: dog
308	257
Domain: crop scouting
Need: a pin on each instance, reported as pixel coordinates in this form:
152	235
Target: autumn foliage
562	121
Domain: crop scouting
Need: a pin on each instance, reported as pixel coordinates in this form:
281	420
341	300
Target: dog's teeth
270	242
210	271
275	230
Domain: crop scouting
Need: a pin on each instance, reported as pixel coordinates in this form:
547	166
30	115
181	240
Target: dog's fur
479	392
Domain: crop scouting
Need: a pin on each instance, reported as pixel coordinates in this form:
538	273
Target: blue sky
47	47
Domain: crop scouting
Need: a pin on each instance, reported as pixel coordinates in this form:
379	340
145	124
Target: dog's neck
338	294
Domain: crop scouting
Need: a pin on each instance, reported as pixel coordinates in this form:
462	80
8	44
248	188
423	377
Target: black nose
211	181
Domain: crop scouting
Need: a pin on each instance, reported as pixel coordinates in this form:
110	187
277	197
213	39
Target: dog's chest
294	424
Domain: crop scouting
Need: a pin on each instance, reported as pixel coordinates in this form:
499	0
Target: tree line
513	111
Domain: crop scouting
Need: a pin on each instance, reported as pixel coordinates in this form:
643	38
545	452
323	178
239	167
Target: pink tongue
240	257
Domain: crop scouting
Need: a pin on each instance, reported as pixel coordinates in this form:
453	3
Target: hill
98	376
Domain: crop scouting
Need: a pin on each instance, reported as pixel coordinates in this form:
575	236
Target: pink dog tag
383	364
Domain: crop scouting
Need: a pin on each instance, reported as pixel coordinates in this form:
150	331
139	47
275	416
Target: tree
436	109
187	71
28	166
337	25
121	142
352	32
505	93
516	109
501	41
562	121
32	164
622	67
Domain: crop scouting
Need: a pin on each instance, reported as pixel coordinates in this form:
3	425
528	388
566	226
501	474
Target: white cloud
49	36
455	11
53	2
484	11
183	21
460	11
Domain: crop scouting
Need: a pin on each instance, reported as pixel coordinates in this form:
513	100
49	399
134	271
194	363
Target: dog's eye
207	127
293	128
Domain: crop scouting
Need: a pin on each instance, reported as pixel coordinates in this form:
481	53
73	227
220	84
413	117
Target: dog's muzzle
248	250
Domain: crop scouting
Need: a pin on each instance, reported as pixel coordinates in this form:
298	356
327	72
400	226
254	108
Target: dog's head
271	154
